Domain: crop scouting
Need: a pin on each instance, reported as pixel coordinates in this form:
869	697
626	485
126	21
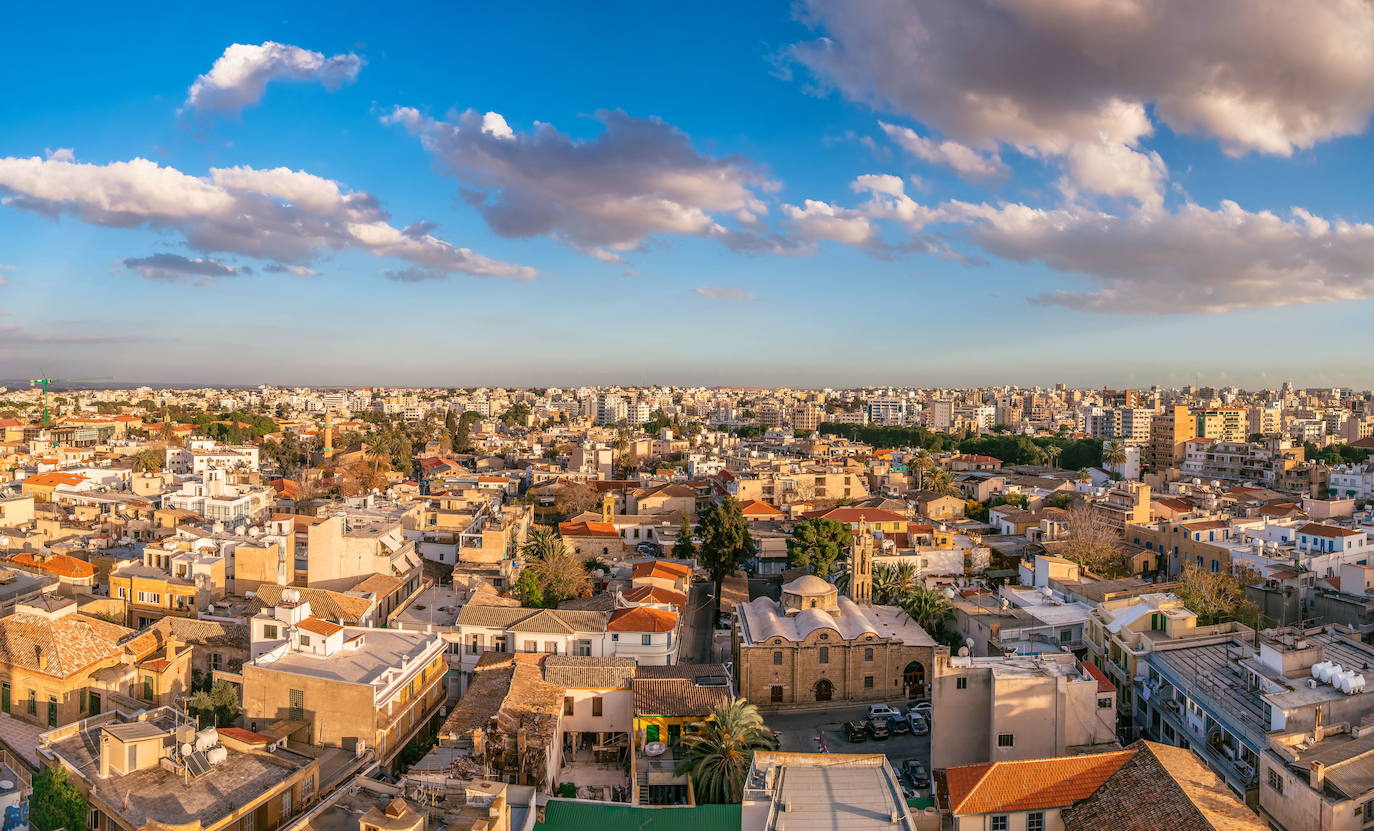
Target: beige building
155	772
336	686
1168	433
1002	709
816	646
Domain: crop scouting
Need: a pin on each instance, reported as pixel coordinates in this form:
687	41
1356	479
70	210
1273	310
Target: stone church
816	646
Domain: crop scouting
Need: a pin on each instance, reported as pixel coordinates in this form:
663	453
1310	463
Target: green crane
46	383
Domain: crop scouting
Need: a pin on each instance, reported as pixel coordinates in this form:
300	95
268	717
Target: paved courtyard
812	731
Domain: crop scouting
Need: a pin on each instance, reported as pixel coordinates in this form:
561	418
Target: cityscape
878	415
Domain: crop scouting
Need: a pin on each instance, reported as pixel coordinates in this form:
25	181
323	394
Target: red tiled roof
587	529
659	568
757	507
319	627
1030	785
55	478
1104	684
655	594
852	515
1318	530
642	619
58	565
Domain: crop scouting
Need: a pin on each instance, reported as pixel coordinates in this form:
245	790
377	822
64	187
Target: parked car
855	731
917	724
924	710
898	725
882	711
878	729
915	774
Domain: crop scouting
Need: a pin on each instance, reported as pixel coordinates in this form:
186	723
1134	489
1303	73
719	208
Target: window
269	632
52	711
584	649
531	646
868	682
1035	821
305	640
93	821
615	637
1104	703
775	694
777	657
645	640
1006	740
596	706
868	653
121	592
1065	635
825	655
1275	781
147	688
999	823
961	683
295	705
567	705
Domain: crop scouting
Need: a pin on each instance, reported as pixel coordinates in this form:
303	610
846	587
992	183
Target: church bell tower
861	566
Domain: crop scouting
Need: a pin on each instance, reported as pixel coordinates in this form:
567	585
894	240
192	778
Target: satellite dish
964	652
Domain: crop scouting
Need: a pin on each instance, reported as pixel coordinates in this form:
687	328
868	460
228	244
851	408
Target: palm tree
921	464
718	755
541	544
148	460
892	583
554	567
1114	454
928	607
942	482
1052	453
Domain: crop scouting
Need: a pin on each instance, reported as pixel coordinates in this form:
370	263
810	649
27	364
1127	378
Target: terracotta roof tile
1029	785
642	619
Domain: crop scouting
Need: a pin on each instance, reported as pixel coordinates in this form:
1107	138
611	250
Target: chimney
171	646
1316	776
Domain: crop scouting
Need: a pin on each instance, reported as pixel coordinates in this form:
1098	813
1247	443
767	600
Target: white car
883	711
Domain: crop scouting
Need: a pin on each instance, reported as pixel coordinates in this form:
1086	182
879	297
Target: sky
915	192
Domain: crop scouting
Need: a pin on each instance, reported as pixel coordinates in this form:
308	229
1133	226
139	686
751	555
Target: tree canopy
819	544
56	802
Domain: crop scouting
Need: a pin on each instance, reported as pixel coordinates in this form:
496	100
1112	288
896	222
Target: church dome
808	585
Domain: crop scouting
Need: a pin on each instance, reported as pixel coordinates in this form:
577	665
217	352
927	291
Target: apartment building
155	771
1169	430
340	686
1006	708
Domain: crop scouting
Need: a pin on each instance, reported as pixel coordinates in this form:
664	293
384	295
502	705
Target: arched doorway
914	679
824	690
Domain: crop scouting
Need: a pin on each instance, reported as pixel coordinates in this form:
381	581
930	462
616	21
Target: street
696	625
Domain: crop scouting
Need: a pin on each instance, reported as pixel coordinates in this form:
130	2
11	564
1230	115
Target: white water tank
1319	668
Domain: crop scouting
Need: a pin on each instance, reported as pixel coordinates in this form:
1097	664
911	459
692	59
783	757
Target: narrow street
696	625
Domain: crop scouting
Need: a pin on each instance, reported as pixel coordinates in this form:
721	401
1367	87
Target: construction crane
46	383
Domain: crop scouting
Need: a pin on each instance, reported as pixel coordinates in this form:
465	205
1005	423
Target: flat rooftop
160	795
383	650
828	792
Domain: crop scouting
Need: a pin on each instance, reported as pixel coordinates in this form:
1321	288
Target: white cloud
637	179
1193	260
724	293
60	154
284	216
174	268
240	76
1078	78
824	221
964	160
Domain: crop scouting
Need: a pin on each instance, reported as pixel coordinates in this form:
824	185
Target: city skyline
791	198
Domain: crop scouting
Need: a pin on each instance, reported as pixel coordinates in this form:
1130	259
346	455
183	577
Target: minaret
328	434
861	566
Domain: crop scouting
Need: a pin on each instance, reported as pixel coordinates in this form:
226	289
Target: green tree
718	755
56	802
819	544
556	570
725	542
942	482
1114	453
684	548
1217	597
928	607
216	708
892	583
530	591
148	460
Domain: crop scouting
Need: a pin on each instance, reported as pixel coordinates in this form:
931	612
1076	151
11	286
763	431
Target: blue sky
739	246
